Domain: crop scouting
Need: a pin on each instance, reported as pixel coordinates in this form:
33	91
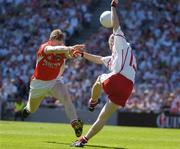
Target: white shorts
41	89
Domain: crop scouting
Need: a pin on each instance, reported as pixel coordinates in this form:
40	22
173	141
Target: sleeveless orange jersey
48	66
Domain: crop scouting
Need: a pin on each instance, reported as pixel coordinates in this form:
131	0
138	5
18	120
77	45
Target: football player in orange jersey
47	78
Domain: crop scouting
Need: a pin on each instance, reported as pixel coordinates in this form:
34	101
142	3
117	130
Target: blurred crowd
152	28
25	24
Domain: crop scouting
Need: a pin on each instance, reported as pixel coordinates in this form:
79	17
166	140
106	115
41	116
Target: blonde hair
56	34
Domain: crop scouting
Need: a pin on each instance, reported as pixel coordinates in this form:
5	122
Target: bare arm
90	57
67	50
93	58
114	16
57	49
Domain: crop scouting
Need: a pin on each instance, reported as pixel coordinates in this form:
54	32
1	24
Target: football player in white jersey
117	84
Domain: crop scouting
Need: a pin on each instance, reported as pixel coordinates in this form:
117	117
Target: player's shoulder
42	47
119	33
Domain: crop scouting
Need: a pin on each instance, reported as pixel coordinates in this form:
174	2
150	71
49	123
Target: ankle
77	123
93	100
74	123
85	139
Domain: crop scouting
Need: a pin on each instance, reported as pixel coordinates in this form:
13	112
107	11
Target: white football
105	19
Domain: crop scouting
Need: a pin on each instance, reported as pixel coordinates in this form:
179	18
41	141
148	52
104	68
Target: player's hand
79	47
77	50
114	1
78	53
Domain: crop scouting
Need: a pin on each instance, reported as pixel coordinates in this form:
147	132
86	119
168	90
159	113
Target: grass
26	135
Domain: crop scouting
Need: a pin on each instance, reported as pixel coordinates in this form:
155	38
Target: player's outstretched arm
114	16
63	49
90	57
57	49
93	58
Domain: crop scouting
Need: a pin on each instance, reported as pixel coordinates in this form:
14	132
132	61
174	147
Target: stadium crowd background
152	28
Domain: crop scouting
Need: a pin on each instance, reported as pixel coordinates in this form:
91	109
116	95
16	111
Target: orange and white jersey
48	66
122	59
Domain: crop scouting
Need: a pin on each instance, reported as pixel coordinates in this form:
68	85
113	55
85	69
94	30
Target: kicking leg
104	115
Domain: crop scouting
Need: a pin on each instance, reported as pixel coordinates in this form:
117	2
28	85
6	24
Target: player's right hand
115	1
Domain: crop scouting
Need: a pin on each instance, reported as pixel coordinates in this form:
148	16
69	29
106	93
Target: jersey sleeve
106	61
119	40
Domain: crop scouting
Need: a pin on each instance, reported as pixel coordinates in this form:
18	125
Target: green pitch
23	135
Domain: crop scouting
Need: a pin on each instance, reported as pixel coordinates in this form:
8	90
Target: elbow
97	61
100	61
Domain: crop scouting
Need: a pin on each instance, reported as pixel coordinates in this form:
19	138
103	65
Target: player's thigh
60	92
33	103
108	109
35	98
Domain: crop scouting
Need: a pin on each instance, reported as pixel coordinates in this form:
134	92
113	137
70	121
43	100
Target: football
105	19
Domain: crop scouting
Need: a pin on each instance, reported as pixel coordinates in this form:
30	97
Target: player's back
48	66
124	61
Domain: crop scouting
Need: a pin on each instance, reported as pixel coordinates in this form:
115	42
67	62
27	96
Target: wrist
82	54
70	50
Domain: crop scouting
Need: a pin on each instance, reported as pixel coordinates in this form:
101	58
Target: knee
98	82
32	110
62	93
66	98
97	85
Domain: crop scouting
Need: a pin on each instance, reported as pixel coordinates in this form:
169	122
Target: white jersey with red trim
122	59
